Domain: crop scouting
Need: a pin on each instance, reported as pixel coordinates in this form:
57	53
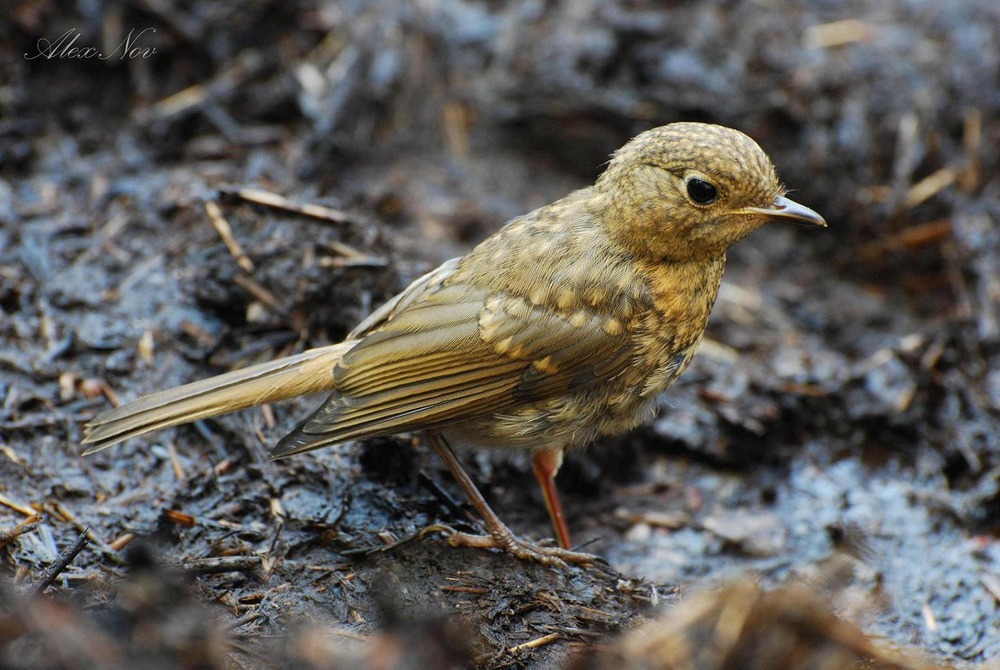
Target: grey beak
788	210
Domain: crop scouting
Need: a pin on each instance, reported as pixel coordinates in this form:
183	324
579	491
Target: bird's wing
453	352
427	283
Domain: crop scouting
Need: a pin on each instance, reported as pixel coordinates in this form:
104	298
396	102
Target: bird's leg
500	536
546	465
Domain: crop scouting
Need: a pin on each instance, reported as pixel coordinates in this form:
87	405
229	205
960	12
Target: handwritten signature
63	47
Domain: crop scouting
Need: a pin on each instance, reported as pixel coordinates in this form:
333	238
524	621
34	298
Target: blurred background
839	429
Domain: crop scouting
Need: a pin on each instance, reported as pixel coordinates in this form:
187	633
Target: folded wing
454	353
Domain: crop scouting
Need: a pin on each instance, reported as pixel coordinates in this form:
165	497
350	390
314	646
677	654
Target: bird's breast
656	313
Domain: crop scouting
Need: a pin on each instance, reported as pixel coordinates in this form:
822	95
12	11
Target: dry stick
268	199
11	454
244	620
260	293
352	256
224	564
190	521
912	237
929	186
245	66
351	260
8	535
17	507
225	231
65	559
102	546
122	541
837	33
970	176
534	644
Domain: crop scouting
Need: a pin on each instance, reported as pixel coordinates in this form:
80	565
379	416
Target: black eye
701	191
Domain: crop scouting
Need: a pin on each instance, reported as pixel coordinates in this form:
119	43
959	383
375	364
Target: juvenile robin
557	330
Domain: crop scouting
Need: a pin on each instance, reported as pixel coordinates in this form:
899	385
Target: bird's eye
701	191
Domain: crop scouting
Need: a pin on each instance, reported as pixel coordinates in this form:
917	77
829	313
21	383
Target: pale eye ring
701	191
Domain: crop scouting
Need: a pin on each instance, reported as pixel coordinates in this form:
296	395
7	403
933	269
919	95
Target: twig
837	33
929	186
456	127
268	199
907	156
221	225
970	177
11	454
190	521
245	563
267	412
668	520
534	644
244	620
16	506
351	254
911	237
260	292
122	541
930	621
475	590
362	261
246	65
175	461
102	546
8	535
64	560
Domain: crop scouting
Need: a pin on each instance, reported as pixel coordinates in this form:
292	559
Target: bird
558	330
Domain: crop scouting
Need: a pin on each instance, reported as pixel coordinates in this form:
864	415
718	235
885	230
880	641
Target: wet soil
838	431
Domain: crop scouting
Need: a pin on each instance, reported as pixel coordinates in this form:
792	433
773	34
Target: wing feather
454	352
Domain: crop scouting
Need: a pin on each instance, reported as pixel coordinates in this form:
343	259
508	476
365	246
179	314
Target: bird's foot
508	542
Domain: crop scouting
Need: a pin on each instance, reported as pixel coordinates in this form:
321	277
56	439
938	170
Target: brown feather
289	377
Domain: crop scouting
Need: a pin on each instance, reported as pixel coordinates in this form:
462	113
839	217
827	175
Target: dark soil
845	410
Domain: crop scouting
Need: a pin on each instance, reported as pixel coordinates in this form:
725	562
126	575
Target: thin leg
500	536
546	465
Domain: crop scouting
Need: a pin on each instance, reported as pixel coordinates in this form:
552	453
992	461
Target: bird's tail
301	374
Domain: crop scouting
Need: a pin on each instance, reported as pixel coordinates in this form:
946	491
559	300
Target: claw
521	549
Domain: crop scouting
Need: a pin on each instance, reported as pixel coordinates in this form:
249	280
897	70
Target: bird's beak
784	209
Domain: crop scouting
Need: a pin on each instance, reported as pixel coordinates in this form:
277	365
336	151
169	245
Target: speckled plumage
573	317
558	329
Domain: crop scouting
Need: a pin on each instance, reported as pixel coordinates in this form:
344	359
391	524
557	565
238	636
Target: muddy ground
839	431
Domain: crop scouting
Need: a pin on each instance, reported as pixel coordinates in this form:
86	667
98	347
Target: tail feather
300	374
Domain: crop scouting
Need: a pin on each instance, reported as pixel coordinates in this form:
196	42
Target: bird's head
687	191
